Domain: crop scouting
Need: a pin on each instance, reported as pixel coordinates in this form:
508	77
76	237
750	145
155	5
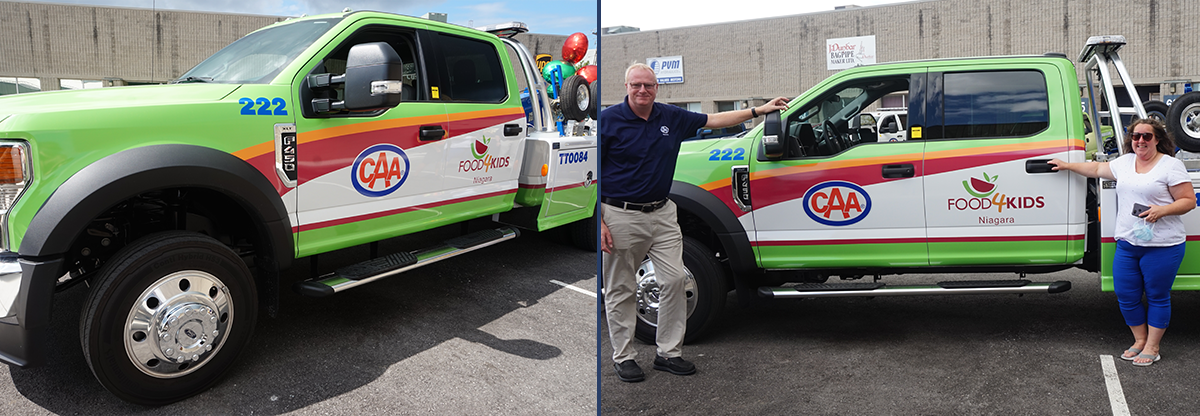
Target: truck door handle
1038	166
898	171
430	133
512	130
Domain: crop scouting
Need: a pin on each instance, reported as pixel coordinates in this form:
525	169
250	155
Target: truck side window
469	70
841	118
995	104
403	42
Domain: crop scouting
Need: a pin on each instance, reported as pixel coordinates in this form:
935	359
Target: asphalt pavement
497	332
491	332
928	355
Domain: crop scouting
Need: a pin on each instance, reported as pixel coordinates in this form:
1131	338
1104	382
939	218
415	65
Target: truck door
989	197
839	197
487	123
367	175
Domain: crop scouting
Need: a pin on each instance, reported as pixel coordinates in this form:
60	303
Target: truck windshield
259	56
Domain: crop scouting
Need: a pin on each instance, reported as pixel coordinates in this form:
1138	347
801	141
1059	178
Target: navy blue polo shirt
638	156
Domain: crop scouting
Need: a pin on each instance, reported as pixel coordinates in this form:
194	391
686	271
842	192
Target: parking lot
490	332
499	333
990	354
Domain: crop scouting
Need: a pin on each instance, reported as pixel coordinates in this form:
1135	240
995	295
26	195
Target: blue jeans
1148	270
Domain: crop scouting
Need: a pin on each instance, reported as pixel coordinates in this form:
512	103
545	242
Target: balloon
567	70
588	73
575	47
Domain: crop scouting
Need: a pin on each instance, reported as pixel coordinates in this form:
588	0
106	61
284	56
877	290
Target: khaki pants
635	235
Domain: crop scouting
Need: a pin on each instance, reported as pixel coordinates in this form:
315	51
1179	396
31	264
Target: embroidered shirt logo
665	130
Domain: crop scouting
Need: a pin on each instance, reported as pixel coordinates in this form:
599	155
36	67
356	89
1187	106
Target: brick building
727	65
55	46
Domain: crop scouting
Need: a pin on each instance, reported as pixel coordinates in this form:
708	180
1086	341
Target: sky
554	17
664	14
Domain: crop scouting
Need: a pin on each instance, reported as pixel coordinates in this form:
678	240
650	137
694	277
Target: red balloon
575	47
588	73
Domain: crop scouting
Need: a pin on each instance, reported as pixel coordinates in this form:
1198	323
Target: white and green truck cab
812	193
179	204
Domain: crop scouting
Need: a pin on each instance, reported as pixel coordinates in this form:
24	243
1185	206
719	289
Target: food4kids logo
984	197
482	160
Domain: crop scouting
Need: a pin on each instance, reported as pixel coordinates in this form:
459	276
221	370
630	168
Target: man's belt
646	207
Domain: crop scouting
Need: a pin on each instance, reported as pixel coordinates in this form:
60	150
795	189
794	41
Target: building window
723	106
79	84
693	107
14	85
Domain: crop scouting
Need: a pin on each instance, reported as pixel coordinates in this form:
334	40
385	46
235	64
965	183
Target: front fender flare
723	223
106	182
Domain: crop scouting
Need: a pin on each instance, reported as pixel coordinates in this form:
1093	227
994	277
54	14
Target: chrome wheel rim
649	293
1189	122
178	324
582	97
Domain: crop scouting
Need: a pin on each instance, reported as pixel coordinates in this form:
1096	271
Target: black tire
1156	110
576	98
206	288
1183	121
583	234
708	292
594	108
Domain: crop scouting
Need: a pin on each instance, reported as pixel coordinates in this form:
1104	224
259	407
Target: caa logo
379	170
837	203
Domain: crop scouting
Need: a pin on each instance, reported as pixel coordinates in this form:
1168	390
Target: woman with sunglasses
1153	191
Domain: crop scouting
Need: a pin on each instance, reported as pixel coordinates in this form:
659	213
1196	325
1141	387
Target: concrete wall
53	41
786	55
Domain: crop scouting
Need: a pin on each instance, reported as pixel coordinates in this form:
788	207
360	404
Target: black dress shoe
629	372
674	365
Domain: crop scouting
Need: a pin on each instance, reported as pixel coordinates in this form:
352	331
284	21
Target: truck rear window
470	70
995	104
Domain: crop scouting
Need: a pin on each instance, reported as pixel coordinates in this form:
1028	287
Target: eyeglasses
1133	137
638	86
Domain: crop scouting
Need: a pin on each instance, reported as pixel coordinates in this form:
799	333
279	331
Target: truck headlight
15	175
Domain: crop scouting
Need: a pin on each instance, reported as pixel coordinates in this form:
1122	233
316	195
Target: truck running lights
14	176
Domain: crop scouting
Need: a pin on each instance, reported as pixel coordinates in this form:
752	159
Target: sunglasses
1141	136
639	86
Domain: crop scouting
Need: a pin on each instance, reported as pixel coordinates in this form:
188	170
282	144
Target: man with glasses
639	143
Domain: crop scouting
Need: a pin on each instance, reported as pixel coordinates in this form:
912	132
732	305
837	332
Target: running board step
978	287
393	264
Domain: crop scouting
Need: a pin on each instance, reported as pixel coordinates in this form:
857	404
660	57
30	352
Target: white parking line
583	291
1116	397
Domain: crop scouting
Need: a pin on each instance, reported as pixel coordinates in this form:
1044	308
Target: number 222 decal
265	107
727	154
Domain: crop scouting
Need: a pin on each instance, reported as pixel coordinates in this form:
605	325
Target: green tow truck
813	193
180	204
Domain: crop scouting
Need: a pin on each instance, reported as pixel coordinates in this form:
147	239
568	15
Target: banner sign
849	52
668	69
